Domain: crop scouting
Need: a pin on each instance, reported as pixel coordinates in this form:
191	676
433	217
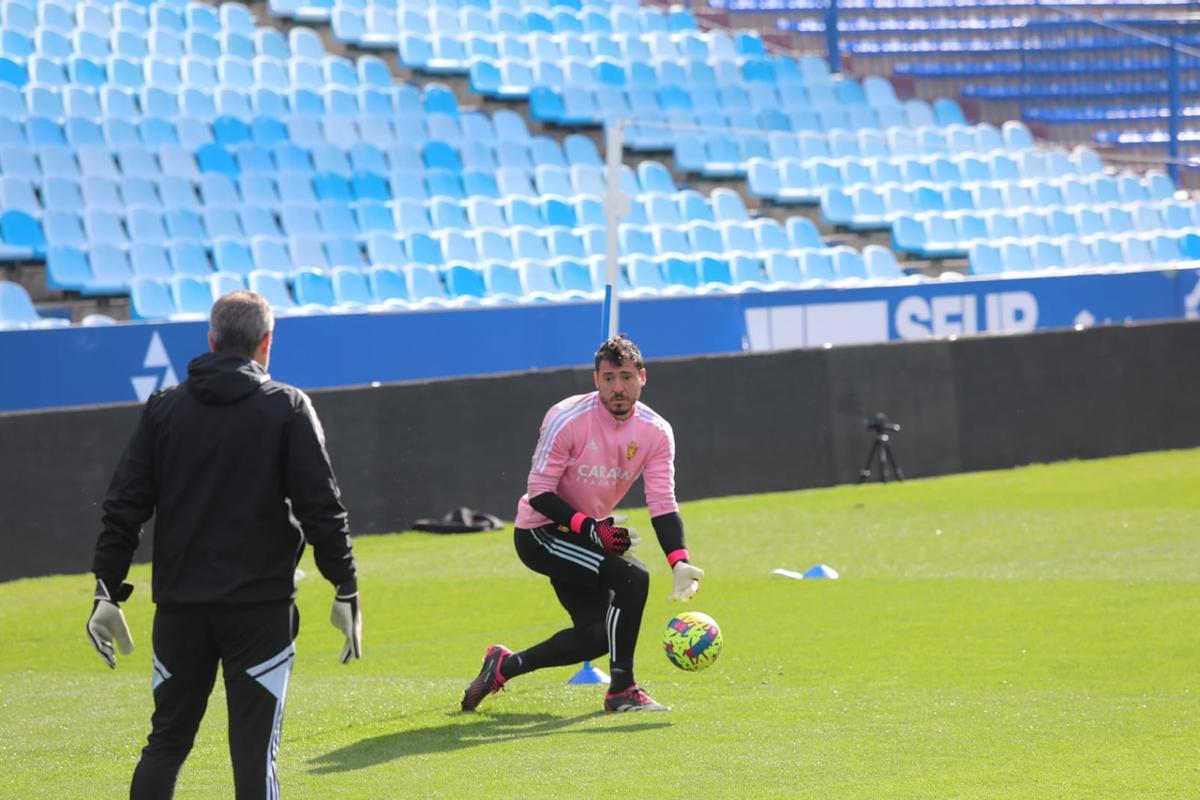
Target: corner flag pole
617	204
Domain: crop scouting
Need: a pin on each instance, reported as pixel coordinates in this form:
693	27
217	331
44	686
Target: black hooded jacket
233	466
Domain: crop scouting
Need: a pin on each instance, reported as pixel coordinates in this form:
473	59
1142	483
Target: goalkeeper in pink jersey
591	449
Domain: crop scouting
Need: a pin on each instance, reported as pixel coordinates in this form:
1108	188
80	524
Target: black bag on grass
460	520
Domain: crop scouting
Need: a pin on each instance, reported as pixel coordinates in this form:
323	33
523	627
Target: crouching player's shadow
482	729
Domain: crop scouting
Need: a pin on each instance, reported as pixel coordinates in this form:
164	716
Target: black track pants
253	645
604	594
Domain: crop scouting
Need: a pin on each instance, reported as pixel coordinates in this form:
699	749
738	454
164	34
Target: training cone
589	674
787	573
821	571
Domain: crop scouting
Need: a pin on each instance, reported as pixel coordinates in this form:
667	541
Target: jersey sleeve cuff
675	556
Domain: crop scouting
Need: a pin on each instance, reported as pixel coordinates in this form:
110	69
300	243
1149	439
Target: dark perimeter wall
743	424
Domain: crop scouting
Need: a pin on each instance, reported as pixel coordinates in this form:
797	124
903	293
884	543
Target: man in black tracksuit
233	465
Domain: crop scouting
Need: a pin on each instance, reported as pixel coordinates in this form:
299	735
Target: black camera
880	424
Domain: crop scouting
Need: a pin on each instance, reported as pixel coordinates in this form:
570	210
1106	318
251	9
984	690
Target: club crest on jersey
631	451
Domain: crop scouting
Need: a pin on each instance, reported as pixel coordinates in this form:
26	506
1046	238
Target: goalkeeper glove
347	618
686	580
635	541
107	623
604	534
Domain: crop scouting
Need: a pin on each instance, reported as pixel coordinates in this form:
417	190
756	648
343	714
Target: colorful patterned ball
692	641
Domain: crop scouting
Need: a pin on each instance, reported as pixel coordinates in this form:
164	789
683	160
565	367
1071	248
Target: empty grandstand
388	157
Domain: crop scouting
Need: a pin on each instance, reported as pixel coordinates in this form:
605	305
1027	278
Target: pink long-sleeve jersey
590	459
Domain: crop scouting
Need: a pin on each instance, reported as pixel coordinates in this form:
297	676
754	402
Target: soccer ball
692	641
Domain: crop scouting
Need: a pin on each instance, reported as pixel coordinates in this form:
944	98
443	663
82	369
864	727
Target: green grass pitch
1029	633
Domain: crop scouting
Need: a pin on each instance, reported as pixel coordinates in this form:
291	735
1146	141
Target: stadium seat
881	263
20	235
191	295
18	312
150	299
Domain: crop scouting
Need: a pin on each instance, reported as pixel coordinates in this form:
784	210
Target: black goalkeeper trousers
604	594
253	645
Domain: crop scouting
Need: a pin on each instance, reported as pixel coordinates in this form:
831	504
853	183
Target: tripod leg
884	451
897	473
865	475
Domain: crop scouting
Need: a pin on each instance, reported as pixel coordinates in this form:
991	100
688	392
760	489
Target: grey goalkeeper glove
347	618
107	625
686	581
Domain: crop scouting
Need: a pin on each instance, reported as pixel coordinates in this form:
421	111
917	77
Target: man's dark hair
238	323
617	349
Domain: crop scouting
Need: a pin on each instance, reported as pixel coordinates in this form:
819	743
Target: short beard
623	414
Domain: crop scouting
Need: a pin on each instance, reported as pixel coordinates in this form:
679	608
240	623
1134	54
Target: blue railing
1123	77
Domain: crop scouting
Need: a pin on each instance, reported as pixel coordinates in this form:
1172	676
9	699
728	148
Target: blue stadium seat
553	181
1159	185
849	263
268	253
67	268
728	206
148	259
425	286
446	213
444	183
58	194
145	226
155	133
222	283
103	193
20	235
385	249
314	288
111	273
1166	249
371	216
134	162
189	258
782	270
494	246
331	187
1016	135
1108	252
17	310
150	299
881	262
985	259
456	247
1137	251
947	112
484	212
12	71
714	274
464	283
16	194
1002	225
388	286
503	283
273	288
818	265
1130	189
184	225
351	288
337	220
1016	257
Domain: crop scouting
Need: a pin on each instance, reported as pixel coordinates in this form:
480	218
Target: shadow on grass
470	731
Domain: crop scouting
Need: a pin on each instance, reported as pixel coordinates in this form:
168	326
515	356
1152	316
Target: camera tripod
881	449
